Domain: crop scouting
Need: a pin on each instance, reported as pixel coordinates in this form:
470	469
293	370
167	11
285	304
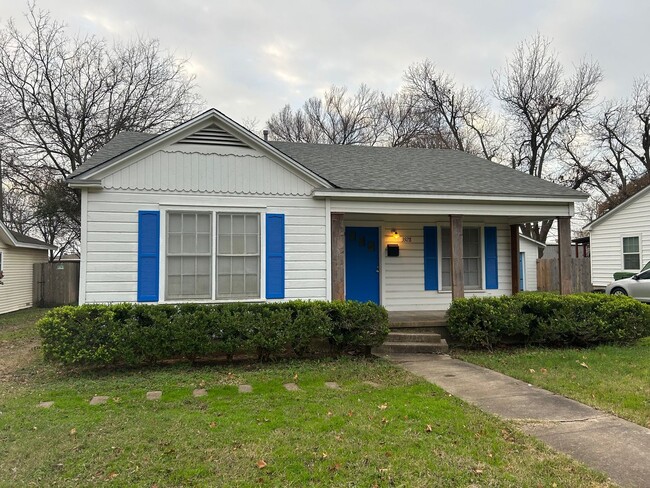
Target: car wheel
619	292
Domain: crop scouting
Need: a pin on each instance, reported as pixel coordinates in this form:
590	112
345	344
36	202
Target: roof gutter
428	197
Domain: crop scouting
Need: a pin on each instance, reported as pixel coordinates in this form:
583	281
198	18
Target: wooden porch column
457	273
564	253
514	258
338	257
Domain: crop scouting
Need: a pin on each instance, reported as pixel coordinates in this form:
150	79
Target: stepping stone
154	395
45	404
372	383
291	387
200	392
98	400
332	385
245	388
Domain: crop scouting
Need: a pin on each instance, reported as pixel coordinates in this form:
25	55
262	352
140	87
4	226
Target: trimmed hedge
548	319
136	334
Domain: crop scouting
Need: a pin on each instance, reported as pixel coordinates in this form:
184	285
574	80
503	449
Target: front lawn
397	431
612	378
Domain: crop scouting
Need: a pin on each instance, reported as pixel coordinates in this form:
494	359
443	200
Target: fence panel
56	283
548	274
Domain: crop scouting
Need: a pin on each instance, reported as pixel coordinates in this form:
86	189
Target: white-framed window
631	253
212	255
472	258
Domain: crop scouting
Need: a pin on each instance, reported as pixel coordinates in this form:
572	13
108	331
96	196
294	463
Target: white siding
607	239
16	293
402	278
112	239
530	273
224	170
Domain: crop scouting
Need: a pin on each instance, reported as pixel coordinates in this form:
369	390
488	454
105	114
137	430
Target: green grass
406	432
19	326
615	379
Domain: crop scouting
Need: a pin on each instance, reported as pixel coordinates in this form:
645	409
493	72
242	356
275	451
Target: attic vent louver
212	136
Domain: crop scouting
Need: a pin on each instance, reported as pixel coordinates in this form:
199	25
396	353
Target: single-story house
209	212
619	240
529	250
18	253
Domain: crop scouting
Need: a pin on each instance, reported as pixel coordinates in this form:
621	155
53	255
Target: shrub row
137	334
548	319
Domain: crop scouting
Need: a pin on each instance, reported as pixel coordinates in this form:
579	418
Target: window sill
210	301
448	292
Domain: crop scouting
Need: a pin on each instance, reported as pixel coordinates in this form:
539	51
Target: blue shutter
148	255
430	258
491	261
274	255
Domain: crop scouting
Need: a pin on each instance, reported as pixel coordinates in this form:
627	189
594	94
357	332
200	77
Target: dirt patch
15	356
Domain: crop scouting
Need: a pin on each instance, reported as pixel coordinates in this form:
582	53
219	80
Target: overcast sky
253	57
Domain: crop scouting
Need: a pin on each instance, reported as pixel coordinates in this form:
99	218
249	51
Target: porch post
457	273
338	257
564	253
514	258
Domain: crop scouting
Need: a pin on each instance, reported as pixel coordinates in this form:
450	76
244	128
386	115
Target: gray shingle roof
415	170
26	239
120	144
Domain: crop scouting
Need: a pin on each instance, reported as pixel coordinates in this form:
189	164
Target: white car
636	286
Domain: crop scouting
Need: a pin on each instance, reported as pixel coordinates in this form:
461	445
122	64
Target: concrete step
412	348
418	323
413	337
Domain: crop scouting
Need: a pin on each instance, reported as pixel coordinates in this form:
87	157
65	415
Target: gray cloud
252	57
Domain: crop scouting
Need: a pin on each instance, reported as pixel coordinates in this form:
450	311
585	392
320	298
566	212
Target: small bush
548	319
139	334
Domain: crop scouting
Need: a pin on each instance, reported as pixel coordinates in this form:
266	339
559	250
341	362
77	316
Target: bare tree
542	105
459	116
336	118
64	97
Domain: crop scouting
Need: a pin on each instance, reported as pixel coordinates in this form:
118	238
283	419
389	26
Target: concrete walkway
616	447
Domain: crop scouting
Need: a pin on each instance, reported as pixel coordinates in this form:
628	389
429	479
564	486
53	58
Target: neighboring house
209	212
528	252
18	253
620	239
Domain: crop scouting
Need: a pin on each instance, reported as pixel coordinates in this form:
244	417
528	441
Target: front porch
416	264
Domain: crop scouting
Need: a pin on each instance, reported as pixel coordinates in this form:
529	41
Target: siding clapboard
402	277
197	169
112	237
606	239
16	293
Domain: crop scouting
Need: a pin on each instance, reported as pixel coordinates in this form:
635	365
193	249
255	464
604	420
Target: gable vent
212	136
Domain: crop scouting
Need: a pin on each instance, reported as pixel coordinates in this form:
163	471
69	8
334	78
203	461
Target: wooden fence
548	274
56	283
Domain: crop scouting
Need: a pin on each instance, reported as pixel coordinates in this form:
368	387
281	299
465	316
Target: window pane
238	265
238	224
174	243
189	275
252	283
630	244
252	265
471	242
224	224
252	226
238	285
189	223
189	243
223	265
631	261
203	243
251	244
175	223
238	246
446	242
446	272
223	286
203	223
224	244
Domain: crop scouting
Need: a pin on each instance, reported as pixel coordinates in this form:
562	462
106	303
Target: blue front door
362	264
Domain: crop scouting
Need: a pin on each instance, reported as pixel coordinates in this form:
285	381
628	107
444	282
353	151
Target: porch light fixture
395	233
